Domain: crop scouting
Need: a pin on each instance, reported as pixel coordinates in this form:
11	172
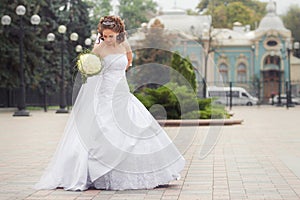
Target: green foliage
204	103
154	48
184	67
154	55
191	12
136	12
292	21
207	114
9	50
179	103
238	12
224	14
98	9
208	110
42	59
203	5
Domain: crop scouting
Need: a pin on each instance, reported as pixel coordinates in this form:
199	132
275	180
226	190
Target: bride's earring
118	37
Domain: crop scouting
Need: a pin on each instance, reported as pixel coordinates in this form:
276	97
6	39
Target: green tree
153	51
98	8
179	103
76	17
191	12
225	13
136	12
154	48
9	59
203	5
184	67
41	58
292	21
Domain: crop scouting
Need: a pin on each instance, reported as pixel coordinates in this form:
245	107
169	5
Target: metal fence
9	97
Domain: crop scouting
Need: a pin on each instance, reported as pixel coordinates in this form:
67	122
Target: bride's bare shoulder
125	44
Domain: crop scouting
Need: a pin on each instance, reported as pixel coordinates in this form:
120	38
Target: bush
180	103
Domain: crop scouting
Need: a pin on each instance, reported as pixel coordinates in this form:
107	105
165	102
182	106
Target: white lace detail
115	180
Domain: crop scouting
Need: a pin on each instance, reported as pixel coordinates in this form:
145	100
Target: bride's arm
129	58
128	54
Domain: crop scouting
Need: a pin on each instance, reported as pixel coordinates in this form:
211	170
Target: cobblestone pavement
259	159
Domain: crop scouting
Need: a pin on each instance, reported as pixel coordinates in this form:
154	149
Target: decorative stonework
242	58
272	39
223	59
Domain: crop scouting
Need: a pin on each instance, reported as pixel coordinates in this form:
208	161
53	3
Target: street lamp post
21	10
50	38
288	88
256	81
290	48
206	51
205	76
287	55
35	20
62	99
73	37
253	58
88	41
78	48
279	83
62	29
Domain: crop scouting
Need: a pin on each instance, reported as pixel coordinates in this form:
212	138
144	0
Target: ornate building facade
259	60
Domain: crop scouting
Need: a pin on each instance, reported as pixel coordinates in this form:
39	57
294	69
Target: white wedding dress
111	141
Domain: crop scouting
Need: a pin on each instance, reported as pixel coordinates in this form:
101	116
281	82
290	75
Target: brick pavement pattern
259	159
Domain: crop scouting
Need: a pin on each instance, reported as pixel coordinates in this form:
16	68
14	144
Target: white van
239	96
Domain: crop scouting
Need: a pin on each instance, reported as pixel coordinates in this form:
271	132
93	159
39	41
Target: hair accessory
108	23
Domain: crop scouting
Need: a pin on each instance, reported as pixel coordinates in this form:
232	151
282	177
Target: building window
272	60
272	43
223	69
241	73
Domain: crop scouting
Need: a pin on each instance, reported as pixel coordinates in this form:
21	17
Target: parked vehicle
283	99
239	96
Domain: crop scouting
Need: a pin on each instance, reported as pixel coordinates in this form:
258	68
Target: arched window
223	69
272	60
242	73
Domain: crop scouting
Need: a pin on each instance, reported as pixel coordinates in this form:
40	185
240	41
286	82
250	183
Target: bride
111	141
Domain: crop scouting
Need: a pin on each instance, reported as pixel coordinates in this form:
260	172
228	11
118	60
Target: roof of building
231	37
176	19
241	35
271	20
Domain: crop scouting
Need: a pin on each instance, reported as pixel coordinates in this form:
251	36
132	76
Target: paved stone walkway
259	159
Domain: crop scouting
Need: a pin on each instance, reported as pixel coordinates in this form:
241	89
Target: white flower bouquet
88	64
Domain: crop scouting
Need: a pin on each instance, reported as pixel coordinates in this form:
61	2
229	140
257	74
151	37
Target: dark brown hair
114	23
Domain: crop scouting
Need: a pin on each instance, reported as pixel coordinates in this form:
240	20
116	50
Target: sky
282	5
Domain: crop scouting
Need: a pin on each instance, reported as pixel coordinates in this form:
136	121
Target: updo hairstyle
114	23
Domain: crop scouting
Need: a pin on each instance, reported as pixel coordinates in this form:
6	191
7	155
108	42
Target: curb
200	122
